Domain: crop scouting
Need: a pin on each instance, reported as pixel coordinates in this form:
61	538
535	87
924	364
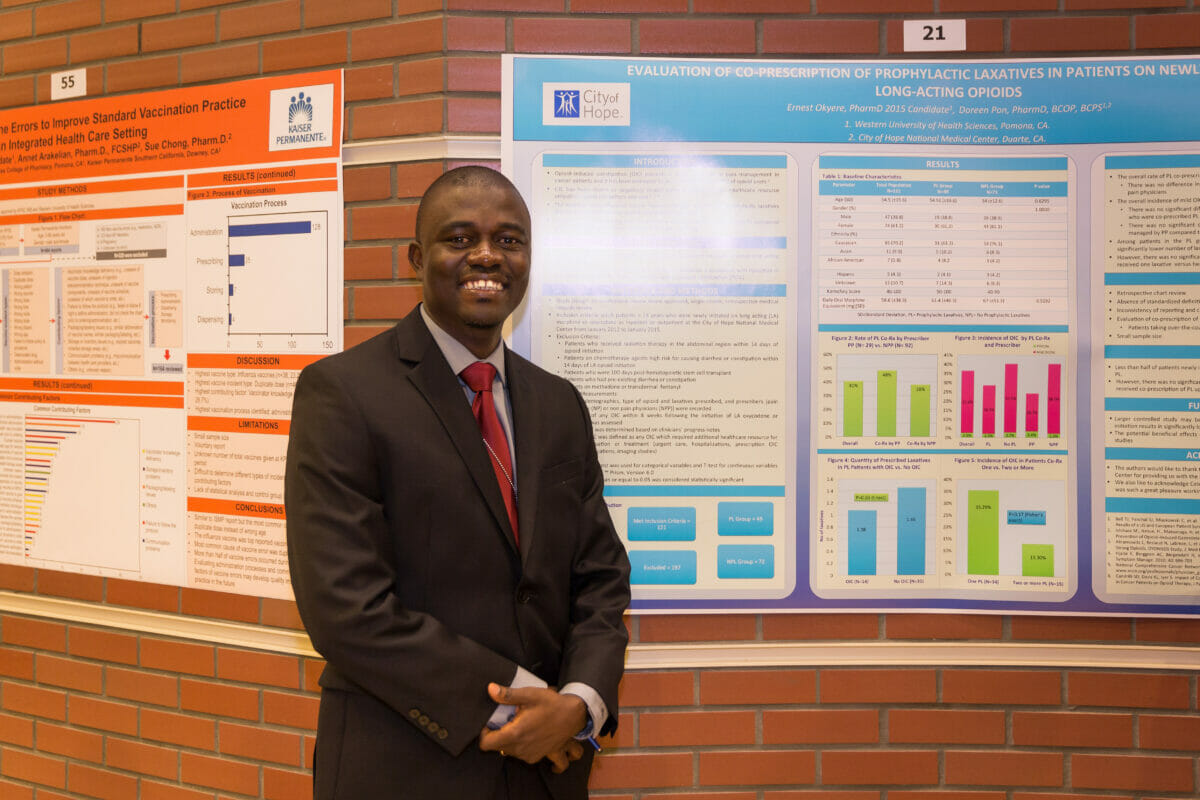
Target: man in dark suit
471	646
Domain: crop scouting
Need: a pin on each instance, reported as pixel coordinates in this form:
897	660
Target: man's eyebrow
458	224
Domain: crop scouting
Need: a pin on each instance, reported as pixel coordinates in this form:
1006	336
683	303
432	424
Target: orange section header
239	425
235	508
94	187
293	172
94	213
126	400
298	187
88	385
277	118
250	360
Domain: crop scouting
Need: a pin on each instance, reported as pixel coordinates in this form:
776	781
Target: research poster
169	261
879	335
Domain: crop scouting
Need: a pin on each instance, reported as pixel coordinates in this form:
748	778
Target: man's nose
484	253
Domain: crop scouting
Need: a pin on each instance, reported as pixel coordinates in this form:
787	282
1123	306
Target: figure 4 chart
889	528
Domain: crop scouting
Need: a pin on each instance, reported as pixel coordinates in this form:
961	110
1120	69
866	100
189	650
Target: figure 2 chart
270	252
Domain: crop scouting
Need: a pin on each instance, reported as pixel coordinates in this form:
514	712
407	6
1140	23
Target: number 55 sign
68	84
927	35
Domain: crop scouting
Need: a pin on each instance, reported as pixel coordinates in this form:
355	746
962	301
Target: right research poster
919	335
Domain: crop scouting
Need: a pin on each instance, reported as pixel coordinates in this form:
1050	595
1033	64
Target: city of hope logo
566	103
301	117
585	104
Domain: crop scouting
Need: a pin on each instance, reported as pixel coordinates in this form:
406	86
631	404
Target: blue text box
1151	454
645	524
1151	505
1016	517
662	567
1151	404
745	519
1151	351
746	561
958	162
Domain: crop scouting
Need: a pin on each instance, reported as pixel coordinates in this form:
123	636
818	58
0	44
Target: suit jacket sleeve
344	572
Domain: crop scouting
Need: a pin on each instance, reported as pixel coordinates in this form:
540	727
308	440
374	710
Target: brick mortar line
1132	13
274	727
139	738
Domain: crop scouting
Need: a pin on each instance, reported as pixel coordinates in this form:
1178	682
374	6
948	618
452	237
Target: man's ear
415	257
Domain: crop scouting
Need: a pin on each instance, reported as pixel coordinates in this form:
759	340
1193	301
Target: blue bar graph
910	531
279	274
885	529
862	539
270	228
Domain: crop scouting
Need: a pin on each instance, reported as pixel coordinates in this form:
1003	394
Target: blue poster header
1050	102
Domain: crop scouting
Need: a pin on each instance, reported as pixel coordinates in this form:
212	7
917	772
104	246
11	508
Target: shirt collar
456	353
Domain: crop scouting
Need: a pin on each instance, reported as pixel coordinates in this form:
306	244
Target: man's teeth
486	285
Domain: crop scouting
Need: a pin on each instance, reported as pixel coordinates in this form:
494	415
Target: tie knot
479	376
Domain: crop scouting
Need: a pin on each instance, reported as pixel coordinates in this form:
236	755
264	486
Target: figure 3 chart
1010	396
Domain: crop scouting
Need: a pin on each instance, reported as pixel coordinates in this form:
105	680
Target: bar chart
1011	527
1010	397
888	527
882	396
65	493
273	256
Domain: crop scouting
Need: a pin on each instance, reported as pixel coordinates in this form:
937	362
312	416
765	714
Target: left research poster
169	261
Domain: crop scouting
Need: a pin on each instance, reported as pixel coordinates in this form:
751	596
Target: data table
968	239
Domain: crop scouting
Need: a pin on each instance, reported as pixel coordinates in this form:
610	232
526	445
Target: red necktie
479	377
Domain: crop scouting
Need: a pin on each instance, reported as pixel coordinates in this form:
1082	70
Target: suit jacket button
413	713
442	734
433	727
424	720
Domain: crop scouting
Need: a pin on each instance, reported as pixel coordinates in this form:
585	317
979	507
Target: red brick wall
96	712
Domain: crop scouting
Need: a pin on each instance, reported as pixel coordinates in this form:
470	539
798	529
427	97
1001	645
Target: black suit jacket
406	573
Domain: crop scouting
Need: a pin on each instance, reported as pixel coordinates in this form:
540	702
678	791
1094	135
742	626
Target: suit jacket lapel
432	377
526	411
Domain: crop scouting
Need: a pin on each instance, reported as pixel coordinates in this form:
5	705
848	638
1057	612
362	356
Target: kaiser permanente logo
585	104
301	117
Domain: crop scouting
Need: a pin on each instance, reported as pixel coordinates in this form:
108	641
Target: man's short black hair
470	175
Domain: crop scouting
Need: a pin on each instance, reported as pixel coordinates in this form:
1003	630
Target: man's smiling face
472	254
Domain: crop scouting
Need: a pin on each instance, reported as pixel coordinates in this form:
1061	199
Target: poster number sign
925	35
